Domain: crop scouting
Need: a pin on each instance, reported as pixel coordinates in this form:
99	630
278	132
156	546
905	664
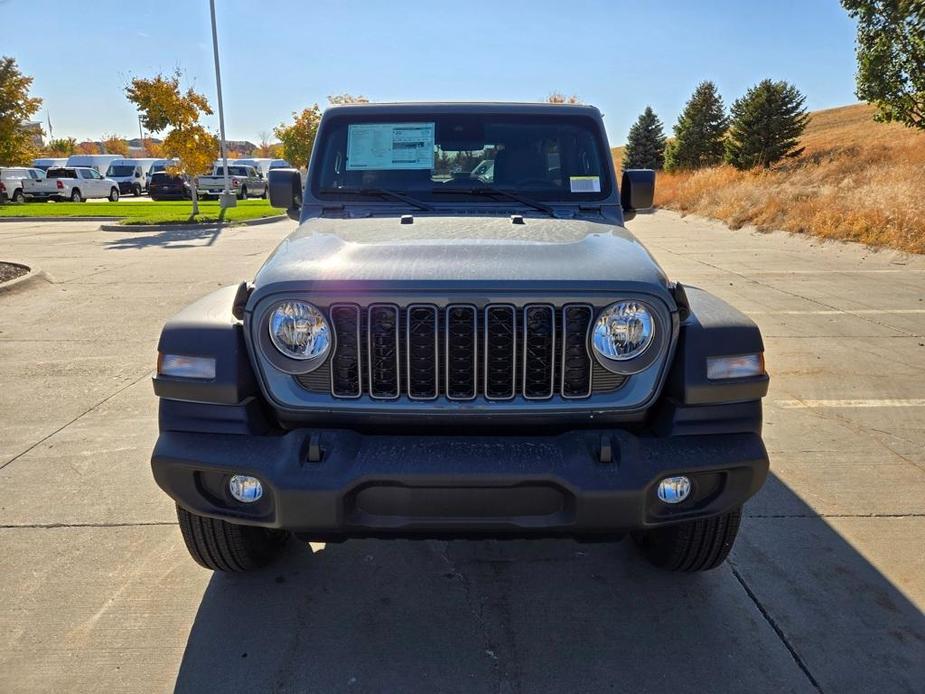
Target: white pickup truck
74	183
244	181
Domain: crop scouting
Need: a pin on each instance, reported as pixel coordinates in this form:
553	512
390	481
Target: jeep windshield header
449	157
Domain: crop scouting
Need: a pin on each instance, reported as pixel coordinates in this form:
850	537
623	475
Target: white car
11	179
74	183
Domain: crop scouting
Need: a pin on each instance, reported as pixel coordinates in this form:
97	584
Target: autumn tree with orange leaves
164	106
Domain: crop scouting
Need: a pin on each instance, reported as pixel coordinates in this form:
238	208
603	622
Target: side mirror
286	191
637	192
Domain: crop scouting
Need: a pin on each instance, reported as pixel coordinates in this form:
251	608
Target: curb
56	219
182	227
20	282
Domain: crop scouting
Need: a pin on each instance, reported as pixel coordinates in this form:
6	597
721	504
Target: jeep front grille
461	352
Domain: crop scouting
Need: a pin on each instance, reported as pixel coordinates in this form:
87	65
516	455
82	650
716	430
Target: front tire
699	545
222	546
114	195
136	190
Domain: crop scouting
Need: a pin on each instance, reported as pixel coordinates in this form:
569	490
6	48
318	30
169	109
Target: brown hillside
856	179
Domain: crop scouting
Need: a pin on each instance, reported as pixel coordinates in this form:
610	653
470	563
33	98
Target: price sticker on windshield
384	146
585	184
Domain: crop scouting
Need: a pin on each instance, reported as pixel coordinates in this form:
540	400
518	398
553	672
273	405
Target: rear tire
243	194
76	196
266	192
222	546
18	196
114	195
699	545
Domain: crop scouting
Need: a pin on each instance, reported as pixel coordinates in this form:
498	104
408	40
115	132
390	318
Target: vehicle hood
449	250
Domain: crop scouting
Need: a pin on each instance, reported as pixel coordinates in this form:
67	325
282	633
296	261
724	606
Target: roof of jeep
465	107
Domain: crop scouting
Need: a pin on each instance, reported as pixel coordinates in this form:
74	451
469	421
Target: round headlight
623	331
299	330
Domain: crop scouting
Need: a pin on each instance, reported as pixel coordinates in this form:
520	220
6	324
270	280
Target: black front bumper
435	486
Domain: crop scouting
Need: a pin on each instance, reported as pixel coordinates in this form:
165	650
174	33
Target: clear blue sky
279	56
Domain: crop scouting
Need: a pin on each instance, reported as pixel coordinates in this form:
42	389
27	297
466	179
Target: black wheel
18	196
222	546
136	190
114	195
266	192
76	196
243	194
698	545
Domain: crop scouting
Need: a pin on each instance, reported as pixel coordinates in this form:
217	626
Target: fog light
245	489
674	490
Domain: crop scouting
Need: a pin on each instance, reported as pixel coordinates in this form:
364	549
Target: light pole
227	199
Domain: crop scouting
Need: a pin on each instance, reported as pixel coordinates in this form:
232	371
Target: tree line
762	127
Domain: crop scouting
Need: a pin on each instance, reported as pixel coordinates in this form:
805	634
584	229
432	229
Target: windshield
121	171
441	157
232	171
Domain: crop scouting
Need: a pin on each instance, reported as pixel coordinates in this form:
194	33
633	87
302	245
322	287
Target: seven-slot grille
461	352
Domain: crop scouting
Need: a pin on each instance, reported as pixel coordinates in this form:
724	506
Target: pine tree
766	125
645	145
699	132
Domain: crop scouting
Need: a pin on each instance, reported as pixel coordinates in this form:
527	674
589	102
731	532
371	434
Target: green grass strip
164	212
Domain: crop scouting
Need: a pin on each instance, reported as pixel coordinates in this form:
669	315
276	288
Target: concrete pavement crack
42	440
777	629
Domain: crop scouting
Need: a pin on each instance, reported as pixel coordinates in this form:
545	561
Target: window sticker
379	146
585	184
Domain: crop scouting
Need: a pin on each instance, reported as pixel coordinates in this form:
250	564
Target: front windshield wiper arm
382	193
497	192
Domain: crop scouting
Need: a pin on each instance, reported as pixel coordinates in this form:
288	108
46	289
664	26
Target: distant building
240	148
137	148
38	133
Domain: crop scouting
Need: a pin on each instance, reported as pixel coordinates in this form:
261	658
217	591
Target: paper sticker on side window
585	184
382	146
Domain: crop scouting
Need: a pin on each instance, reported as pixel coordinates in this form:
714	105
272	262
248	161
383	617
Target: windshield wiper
497	192
382	193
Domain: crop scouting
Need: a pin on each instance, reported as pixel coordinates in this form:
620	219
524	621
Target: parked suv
163	186
431	354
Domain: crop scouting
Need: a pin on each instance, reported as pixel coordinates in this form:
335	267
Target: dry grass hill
856	180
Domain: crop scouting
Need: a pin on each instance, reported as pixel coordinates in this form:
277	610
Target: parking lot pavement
824	590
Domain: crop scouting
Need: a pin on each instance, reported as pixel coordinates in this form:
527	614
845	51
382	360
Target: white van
45	163
132	175
100	162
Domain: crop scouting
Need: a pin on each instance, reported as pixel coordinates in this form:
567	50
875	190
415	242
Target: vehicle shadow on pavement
168	238
796	609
